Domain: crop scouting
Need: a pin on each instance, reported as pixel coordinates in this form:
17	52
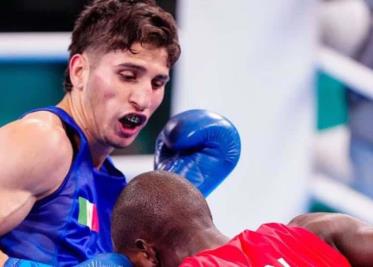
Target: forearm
352	237
356	244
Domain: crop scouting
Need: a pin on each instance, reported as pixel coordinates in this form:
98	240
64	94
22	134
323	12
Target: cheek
108	94
101	90
157	99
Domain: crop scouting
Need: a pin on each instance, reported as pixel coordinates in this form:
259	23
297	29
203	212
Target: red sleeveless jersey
272	245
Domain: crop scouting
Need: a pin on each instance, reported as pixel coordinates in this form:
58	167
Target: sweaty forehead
145	56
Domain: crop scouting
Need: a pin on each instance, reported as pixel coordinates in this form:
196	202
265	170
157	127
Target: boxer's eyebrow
141	69
132	66
164	78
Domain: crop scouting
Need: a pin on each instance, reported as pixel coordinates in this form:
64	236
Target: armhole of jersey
70	133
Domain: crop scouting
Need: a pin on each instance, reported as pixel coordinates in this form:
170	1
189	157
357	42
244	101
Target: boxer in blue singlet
63	227
57	184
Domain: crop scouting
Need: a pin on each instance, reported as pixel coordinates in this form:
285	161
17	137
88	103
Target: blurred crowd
346	27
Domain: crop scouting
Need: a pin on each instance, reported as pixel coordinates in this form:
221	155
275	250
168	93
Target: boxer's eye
159	81
127	76
158	84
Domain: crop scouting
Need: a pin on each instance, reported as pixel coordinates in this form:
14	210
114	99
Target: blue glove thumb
15	262
200	145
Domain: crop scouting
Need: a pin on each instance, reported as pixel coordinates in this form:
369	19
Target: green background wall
331	102
27	85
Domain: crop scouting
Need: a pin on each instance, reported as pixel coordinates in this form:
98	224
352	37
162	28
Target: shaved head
160	207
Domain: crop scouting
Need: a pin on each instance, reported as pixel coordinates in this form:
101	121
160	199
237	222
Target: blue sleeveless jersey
73	223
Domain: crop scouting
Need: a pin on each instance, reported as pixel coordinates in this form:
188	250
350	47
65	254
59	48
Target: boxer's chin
123	142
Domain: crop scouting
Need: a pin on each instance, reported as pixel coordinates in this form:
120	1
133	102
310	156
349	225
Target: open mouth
132	120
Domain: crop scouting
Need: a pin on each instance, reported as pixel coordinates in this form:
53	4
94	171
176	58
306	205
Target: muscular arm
352	237
35	156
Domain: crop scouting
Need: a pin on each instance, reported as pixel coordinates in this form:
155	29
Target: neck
73	106
200	240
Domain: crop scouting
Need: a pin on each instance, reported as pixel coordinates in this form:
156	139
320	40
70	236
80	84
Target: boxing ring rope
346	70
34	46
341	197
329	191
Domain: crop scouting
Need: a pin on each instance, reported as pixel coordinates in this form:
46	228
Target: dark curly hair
109	25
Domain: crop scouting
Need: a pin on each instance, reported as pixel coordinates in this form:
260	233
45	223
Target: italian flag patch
88	214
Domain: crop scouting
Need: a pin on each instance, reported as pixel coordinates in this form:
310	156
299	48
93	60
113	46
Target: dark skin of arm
352	237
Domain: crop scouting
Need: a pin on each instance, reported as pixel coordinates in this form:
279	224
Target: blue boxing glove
200	145
100	260
107	260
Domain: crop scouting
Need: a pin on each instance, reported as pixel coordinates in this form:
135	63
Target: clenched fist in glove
200	145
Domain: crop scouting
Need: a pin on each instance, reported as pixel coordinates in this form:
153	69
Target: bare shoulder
36	153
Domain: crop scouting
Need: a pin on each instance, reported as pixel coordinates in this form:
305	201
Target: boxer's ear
78	67
144	255
149	255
